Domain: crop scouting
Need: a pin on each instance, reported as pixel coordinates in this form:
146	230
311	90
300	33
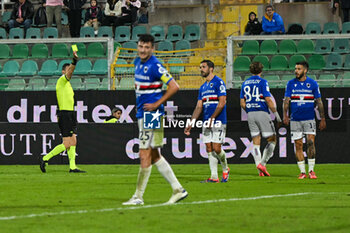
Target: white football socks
223	161
256	154
301	165
166	171
142	180
268	153
311	163
213	164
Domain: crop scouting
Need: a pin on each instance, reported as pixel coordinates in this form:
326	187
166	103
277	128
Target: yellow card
74	48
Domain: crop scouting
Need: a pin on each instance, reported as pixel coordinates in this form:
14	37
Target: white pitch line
151	206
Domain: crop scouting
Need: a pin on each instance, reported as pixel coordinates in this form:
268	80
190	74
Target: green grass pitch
57	201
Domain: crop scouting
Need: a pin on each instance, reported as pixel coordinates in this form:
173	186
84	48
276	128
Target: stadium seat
87	32
60	65
175	33
323	46
121	70
129	45
92	83
158	33
285	79
330	28
40	51
76	83
105	31
312	76
117	45
334	61
64	18
279	62
96	49
326	80
341	46
29	68
50	32
263	60
16	85
122	33
10	68
3	84
3	34
137	31
36	84
6	16
241	64
104	84
313	28
268	47
347	62
100	67
165	45
316	62
60	51
176	69
126	84
287	47
16	33
305	47
20	51
83	67
274	81
33	33
192	32
250	47
81	50
4	51
48	68
294	59
237	81
345	28
51	85
182	45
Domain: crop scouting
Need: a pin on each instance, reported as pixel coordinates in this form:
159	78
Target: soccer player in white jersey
212	96
302	92
149	78
256	100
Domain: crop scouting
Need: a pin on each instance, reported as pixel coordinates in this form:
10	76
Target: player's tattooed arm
322	115
286	102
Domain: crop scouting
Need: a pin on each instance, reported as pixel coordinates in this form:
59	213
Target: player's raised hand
75	54
322	125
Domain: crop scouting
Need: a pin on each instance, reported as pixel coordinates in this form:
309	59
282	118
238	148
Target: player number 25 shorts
150	137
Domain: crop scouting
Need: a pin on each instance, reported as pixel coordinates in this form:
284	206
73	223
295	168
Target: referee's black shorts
67	121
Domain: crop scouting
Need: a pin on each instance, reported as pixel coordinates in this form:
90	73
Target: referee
67	119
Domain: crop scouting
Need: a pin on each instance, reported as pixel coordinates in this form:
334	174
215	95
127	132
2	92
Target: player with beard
302	92
212	96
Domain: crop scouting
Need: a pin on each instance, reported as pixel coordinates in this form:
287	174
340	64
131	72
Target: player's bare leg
221	156
300	157
311	154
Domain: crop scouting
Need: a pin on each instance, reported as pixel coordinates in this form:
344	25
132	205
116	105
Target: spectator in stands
129	9
74	16
22	14
272	23
345	6
93	16
54	9
253	26
114	118
113	10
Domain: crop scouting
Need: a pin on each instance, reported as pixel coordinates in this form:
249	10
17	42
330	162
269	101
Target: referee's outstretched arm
72	66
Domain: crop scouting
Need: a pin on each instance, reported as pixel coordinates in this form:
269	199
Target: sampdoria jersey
65	94
209	93
302	95
254	90
149	79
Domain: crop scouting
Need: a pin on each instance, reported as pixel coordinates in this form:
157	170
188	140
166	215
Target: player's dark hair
116	109
146	38
65	65
209	63
256	68
303	63
269	6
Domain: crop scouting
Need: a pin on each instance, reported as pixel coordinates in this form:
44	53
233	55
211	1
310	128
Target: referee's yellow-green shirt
65	94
